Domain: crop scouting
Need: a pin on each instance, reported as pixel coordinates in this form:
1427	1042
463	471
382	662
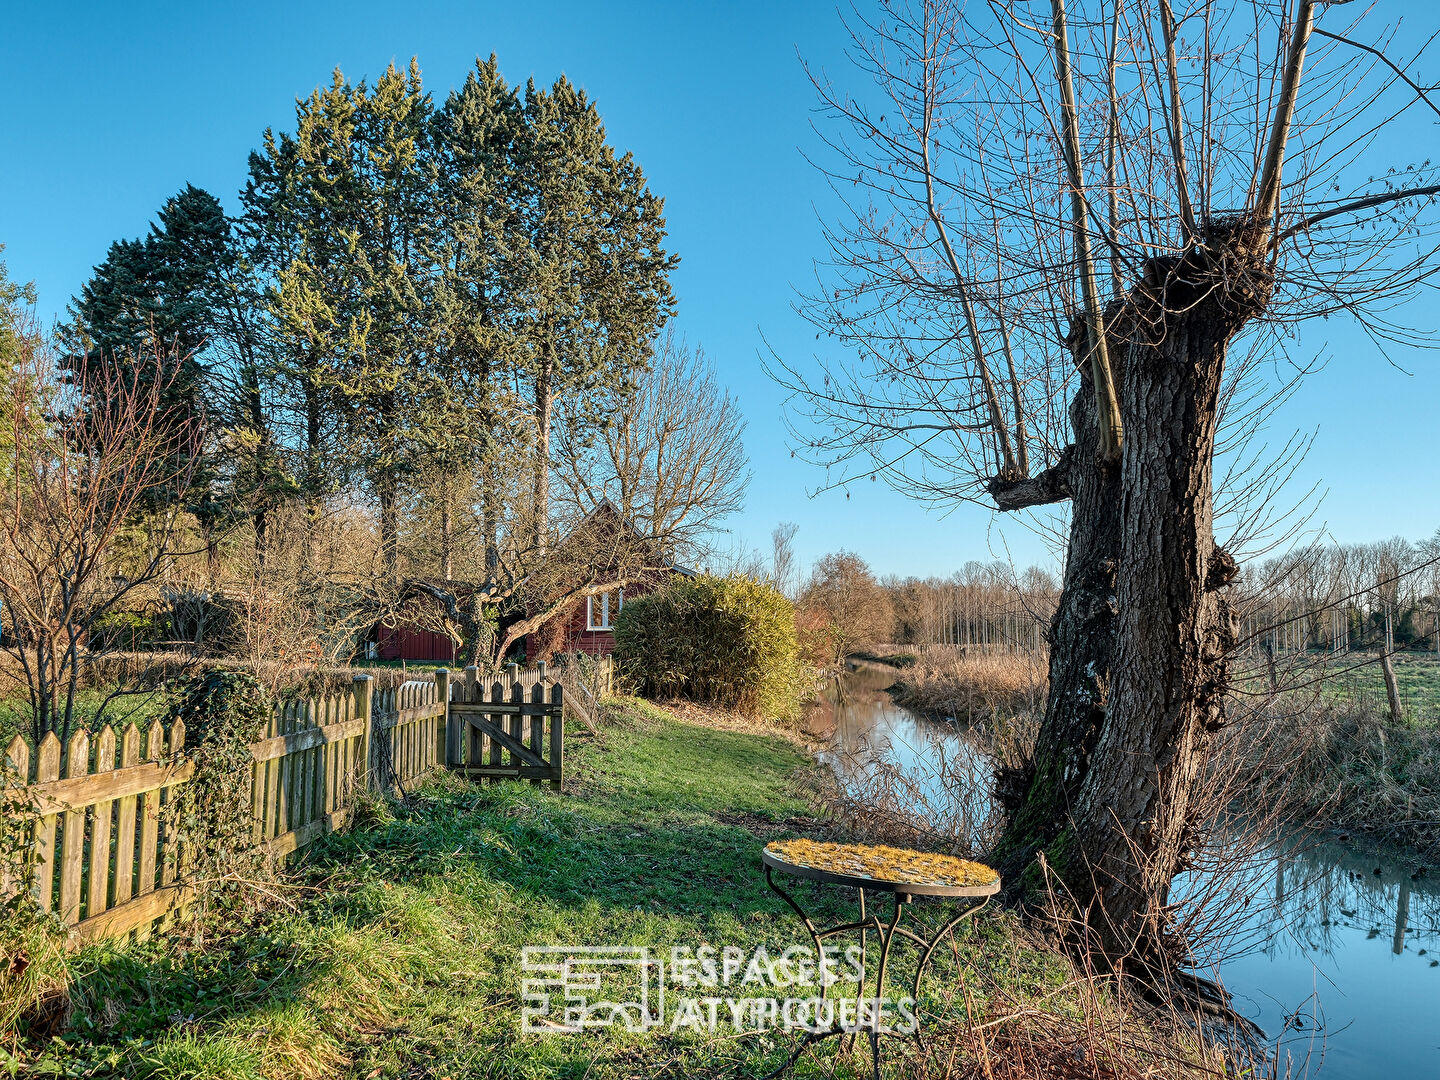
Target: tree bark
261	521
314	477
490	514
1139	642
1081	634
541	500
447	559
388	493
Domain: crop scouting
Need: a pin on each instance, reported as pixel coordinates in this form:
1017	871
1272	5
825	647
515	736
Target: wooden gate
507	729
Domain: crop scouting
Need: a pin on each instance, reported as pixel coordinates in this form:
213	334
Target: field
1418	677
15	711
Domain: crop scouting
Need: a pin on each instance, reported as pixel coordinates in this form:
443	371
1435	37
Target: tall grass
972	682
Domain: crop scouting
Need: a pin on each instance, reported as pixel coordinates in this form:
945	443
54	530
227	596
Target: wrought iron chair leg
847	1041
886	933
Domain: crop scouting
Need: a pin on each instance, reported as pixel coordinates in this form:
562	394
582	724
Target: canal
1335	952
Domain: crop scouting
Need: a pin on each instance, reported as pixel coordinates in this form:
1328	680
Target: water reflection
862	721
1337	946
1342	950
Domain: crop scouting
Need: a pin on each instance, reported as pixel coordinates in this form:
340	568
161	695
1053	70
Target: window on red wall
600	610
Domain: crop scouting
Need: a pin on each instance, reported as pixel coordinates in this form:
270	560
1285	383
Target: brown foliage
842	609
88	450
973	682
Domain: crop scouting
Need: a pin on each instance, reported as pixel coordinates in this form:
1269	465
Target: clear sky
110	108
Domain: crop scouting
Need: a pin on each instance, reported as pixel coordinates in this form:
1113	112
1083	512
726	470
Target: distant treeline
1321	596
1344	596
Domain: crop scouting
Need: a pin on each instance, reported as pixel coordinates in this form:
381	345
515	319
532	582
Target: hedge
724	641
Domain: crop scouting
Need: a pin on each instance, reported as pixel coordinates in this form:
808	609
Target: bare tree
783	570
1064	244
670	458
843	608
88	450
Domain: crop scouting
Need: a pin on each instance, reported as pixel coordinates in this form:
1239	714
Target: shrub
129	630
719	641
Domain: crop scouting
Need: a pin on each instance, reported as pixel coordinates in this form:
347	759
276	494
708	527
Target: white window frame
605	615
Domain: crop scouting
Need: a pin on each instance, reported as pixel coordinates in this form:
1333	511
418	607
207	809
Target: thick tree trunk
1138	667
1081	640
1134	819
314	475
261	521
212	552
447	559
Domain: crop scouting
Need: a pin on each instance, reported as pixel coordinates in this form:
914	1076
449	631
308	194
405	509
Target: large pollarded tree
1069	239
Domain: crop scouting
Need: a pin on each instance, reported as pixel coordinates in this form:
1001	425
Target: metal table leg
886	933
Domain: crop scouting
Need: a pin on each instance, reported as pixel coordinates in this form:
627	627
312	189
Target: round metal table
900	871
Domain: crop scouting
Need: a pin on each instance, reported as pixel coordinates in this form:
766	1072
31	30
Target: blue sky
112	108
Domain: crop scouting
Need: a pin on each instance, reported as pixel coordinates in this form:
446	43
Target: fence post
512	673
469	736
364	709
449	726
557	734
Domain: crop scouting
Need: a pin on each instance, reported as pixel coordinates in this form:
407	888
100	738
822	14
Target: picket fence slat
72	824
47	770
107	855
150	815
98	872
169	845
125	821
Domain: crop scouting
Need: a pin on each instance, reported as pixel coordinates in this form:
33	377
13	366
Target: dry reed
971	683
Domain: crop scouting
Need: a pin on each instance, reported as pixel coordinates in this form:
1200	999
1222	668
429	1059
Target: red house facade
587	626
412	643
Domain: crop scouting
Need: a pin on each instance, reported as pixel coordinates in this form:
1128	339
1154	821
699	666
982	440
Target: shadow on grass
407	943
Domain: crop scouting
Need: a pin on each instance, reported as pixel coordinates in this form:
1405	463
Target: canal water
1336	952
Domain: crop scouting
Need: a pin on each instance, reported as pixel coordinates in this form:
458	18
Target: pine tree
297	203
594	276
475	294
145	300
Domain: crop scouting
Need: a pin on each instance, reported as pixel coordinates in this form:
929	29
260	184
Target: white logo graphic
568	988
565	988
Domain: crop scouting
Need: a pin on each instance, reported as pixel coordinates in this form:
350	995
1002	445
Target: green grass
141	708
403	957
1418	678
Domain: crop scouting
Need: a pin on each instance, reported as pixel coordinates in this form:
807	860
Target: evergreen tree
144	302
594	277
475	294
296	207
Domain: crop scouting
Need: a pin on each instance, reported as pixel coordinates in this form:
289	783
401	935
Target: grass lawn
141	708
1418	678
403	958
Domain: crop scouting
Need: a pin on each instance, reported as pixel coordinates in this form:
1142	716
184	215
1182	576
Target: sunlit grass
403	957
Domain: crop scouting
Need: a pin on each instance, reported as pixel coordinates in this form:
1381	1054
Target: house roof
667	562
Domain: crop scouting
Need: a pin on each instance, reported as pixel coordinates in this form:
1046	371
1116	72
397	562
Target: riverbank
1332	760
1349	770
963	683
397	952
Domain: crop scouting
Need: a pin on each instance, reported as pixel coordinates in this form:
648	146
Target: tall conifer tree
594	275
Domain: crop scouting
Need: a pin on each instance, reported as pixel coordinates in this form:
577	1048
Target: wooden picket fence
105	856
498	732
